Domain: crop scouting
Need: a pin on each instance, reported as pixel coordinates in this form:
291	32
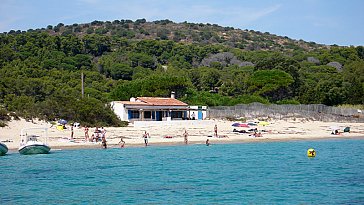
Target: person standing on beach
185	136
71	131
193	116
146	136
103	132
103	143
97	134
87	137
215	130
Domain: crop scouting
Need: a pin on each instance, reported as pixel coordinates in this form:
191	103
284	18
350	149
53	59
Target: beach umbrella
252	124
62	121
263	123
244	125
235	124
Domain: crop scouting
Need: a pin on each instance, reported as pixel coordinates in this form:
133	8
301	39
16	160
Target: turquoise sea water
247	173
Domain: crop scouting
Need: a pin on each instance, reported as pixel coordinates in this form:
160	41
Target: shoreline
212	142
166	133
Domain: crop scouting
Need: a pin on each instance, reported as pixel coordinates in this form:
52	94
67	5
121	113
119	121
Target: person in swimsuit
71	131
146	136
185	136
86	134
103	143
122	143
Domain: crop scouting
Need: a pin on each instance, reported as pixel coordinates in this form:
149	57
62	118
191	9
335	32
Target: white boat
31	144
3	149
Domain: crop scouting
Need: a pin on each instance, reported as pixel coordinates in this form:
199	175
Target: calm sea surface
248	173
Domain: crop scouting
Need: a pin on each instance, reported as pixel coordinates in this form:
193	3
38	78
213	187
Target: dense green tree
96	44
155	85
353	75
71	45
121	71
205	64
142	59
270	83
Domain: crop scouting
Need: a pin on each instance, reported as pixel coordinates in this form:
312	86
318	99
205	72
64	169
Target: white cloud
257	14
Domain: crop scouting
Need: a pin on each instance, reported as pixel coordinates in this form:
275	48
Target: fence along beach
316	112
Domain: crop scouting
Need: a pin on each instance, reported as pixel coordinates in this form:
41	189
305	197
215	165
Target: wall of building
200	112
120	111
172	123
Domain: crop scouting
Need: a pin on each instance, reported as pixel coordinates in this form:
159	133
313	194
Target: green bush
288	101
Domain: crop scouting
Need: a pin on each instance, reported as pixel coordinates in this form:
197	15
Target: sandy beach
171	133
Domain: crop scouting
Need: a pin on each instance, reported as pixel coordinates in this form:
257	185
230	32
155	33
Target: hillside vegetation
204	64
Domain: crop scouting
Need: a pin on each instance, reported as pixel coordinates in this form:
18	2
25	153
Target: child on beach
92	138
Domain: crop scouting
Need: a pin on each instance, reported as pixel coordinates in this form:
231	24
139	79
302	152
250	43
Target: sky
327	22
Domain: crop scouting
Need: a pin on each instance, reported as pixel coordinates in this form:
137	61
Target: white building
198	112
151	109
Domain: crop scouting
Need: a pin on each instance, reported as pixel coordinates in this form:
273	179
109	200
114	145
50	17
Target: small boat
31	144
3	149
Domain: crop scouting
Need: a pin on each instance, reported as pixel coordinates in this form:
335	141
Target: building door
200	115
159	115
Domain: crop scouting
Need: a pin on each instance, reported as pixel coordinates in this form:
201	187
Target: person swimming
207	142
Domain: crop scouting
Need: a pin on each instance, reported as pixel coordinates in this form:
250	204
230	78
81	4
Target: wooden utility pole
82	86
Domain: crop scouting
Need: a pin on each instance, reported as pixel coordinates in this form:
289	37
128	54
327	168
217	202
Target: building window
147	114
134	114
177	114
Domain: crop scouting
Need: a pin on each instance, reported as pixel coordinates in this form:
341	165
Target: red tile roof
131	103
161	101
156	101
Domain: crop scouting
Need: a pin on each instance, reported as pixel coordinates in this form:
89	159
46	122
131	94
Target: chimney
173	95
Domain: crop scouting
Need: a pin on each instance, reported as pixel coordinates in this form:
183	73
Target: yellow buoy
311	152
